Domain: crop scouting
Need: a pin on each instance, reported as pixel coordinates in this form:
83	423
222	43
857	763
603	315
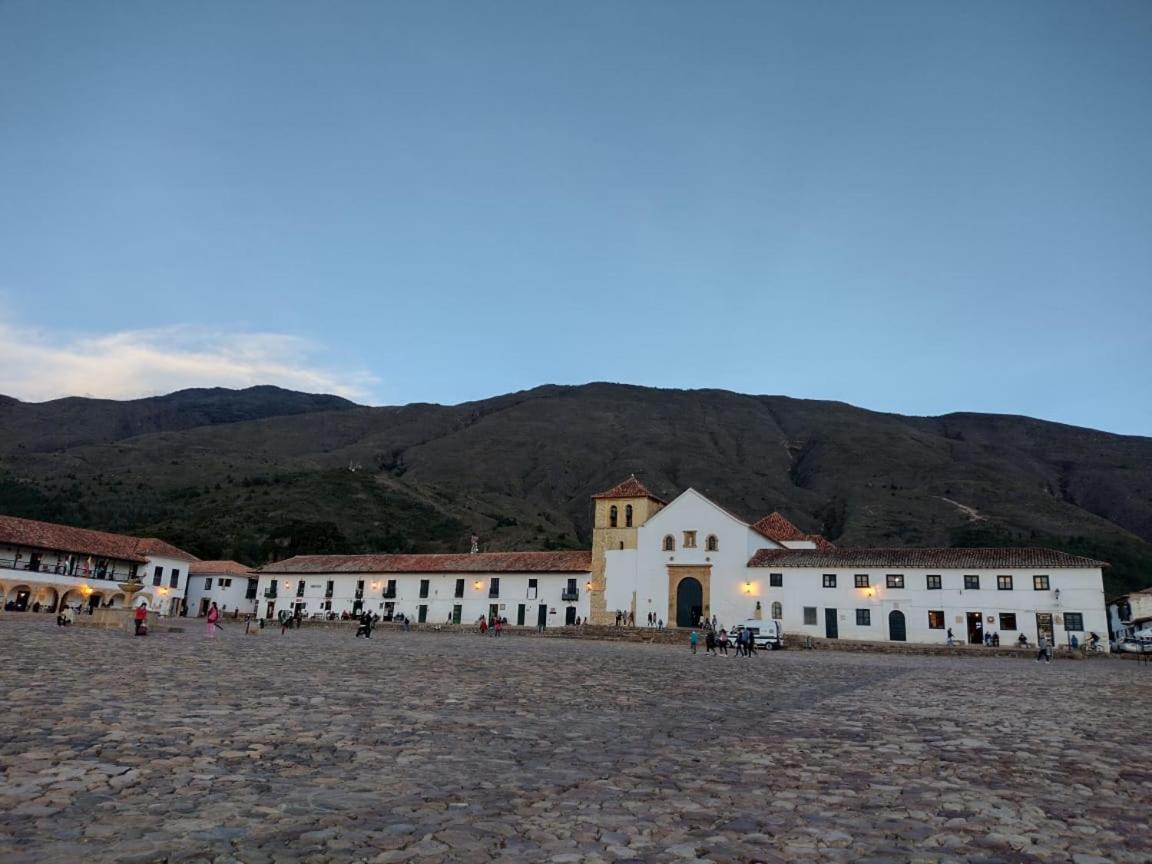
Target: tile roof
777	528
630	488
211	568
941	558
155	546
479	562
65	538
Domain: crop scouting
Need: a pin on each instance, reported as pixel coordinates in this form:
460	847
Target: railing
62	570
270	593
493	595
570	595
328	594
359	594
389	593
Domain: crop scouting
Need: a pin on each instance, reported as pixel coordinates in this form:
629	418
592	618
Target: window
628	516
861	580
459	588
1074	621
300	588
829	580
971	583
775	580
424	588
533	585
936	619
863	617
157	575
390	589
895	580
613	516
1007	620
669	543
1040	583
1003	583
225	583
174	579
207	583
712	544
777	611
494	587
689	539
809	615
329	588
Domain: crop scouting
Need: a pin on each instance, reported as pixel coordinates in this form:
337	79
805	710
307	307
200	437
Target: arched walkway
117	600
689	602
47	596
20	596
72	597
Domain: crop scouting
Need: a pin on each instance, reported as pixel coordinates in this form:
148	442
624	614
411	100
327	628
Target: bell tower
617	514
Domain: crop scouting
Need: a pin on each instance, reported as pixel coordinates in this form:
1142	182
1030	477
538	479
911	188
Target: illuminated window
861	580
936	619
895	580
1040	583
1004	583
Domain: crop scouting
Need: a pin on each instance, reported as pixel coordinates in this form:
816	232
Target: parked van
767	634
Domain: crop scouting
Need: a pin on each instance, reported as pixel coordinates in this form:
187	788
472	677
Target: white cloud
36	365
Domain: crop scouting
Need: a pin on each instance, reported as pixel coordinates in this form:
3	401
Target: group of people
495	624
717	643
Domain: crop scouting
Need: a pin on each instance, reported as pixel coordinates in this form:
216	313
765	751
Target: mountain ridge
259	473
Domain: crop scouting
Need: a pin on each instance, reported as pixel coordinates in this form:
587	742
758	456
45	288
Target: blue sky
911	206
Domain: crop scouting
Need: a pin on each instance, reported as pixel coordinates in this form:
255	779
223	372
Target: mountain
263	473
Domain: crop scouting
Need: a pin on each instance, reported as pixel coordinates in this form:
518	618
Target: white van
767	634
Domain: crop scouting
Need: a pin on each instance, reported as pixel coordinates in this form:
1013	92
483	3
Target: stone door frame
677	573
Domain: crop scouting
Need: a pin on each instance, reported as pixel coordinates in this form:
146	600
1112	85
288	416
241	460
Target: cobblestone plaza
316	746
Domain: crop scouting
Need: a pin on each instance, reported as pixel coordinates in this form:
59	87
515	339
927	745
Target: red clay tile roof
64	538
775	527
211	568
156	547
630	488
921	559
480	562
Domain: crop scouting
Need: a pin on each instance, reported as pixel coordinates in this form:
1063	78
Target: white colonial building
43	565
527	588
228	584
691	559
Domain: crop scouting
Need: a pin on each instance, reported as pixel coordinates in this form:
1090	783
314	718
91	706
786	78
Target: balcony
493	595
570	595
389	593
359	594
270	593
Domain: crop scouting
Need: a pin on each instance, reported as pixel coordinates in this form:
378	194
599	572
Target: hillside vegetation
263	473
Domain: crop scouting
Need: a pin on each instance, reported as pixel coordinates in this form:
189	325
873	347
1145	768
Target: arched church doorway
689	602
896	629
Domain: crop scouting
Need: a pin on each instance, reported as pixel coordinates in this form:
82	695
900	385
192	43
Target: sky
919	207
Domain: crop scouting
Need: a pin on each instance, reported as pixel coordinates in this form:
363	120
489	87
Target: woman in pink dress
213	617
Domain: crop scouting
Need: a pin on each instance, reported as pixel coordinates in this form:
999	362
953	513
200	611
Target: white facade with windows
228	584
526	588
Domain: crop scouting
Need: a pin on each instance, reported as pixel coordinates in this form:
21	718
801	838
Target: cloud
36	365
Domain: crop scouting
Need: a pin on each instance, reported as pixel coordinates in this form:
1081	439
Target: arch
669	543
897	631
47	596
712	544
627	515
689	602
117	600
95	600
777	611
72	597
613	516
21	596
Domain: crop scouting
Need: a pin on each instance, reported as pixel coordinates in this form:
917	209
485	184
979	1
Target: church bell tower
617	514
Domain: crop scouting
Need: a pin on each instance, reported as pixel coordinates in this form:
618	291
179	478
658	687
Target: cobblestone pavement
316	746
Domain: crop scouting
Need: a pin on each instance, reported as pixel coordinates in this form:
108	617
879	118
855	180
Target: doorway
975	628
1044	627
570	615
542	616
520	615
422	613
831	628
493	613
689	602
897	631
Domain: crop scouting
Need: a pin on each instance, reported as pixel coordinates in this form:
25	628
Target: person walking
140	619
951	638
212	617
710	643
498	627
297	617
693	638
1044	652
722	642
750	643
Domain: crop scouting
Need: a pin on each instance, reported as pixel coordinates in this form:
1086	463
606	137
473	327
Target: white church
690	559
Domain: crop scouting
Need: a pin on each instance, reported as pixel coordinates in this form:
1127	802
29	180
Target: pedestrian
996	640
297	617
709	642
714	622
660	624
693	638
213	617
617	617
738	642
365	628
722	642
1043	653
498	627
140	619
951	638
483	626
750	643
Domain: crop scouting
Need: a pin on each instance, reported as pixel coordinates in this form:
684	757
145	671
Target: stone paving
315	746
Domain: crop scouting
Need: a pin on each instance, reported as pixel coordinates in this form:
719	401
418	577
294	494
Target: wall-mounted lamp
478	584
747	587
588	585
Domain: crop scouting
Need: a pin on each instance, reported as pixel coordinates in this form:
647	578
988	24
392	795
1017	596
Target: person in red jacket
213	617
140	617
